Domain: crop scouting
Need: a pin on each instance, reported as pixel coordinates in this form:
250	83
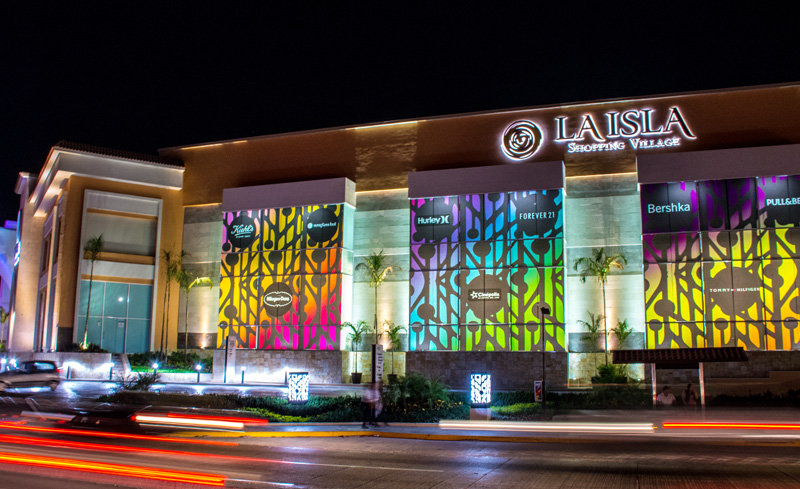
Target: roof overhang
681	357
62	163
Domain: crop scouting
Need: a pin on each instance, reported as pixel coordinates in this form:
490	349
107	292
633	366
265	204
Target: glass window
141	297
116	300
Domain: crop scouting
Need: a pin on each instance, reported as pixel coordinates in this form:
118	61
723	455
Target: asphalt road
374	462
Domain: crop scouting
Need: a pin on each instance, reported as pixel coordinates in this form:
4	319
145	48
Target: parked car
31	374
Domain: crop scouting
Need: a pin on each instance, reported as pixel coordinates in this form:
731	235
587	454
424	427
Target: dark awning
681	357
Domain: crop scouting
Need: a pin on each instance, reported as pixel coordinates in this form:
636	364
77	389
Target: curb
461	437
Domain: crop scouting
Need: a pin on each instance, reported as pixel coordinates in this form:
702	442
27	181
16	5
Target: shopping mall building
482	217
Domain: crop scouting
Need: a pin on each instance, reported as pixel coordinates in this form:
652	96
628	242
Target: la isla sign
638	129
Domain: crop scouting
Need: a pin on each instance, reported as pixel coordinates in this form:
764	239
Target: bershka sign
431	220
638	129
671	207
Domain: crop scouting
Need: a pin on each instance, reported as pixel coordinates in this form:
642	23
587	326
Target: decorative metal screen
281	277
480	265
721	262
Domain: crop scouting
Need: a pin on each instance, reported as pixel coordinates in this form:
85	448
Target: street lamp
543	309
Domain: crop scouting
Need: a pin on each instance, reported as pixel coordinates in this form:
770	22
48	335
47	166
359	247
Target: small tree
356	337
172	269
395	339
3	319
91	251
377	271
599	266
187	281
622	331
592	329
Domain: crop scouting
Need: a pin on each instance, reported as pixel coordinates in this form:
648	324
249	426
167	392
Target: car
31	374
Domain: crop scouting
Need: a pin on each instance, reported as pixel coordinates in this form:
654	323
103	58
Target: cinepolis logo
521	140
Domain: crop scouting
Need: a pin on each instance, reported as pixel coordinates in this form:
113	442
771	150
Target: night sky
139	76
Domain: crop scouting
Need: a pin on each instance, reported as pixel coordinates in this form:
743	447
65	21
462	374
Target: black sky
139	76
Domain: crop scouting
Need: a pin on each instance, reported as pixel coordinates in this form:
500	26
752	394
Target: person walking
369	403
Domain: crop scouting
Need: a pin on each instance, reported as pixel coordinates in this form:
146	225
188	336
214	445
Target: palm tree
599	265
377	271
172	268
592	328
187	281
91	251
394	331
3	318
356	336
622	331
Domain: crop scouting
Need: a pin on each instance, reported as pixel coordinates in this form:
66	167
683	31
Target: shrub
520	410
205	401
177	360
416	389
415	398
611	374
142	381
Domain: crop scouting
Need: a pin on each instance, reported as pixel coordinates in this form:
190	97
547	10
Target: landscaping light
298	386
198	367
480	389
155	368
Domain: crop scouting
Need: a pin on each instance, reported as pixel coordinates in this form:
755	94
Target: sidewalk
774	427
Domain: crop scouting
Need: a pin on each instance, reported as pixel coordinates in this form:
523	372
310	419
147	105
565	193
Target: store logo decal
521	140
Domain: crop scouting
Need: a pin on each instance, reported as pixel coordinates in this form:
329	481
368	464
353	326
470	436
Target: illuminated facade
482	217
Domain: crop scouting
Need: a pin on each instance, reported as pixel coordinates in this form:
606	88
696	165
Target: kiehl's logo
242	231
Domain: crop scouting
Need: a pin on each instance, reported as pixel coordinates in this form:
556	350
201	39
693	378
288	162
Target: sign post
230	360
377	362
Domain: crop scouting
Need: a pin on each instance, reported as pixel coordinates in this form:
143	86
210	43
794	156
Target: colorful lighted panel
722	263
281	277
481	265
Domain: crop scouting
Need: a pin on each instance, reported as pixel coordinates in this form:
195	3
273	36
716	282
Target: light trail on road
106	434
113	469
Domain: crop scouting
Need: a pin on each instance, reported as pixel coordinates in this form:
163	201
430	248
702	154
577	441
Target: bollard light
480	389
198	367
298	386
243	369
155	368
